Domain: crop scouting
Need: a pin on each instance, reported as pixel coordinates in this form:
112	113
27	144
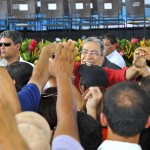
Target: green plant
31	49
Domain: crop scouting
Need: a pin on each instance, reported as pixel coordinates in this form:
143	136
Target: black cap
93	76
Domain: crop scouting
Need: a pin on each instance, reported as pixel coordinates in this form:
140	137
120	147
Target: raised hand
147	50
93	98
61	66
64	58
139	60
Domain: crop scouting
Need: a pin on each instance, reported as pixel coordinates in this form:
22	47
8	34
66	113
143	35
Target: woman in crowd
20	73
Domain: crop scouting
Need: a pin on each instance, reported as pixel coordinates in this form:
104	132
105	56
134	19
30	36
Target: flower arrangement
31	49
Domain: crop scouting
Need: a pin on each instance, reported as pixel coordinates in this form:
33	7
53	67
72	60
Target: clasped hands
64	59
141	54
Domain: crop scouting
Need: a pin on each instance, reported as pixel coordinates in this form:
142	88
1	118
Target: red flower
32	45
134	41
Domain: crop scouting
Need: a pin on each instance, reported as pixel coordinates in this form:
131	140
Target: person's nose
88	55
2	46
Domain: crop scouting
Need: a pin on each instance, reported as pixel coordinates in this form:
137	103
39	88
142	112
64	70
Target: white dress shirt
3	62
117	59
117	145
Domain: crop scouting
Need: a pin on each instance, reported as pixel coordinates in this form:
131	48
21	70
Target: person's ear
18	46
103	119
115	45
148	123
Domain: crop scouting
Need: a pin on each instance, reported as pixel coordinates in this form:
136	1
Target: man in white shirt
10	44
111	53
126	114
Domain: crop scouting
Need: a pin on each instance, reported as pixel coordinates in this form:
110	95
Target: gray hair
14	35
97	41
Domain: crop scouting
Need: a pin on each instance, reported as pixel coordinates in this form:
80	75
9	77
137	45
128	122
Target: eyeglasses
92	53
5	44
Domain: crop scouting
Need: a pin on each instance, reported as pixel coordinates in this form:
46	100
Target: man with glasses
10	44
93	53
104	62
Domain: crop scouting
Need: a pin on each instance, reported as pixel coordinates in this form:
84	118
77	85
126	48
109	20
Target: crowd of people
95	104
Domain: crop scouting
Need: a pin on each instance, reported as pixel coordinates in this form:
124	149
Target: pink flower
134	41
32	45
121	53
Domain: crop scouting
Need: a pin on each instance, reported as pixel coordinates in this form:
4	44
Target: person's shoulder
111	65
22	60
118	145
65	142
29	97
29	88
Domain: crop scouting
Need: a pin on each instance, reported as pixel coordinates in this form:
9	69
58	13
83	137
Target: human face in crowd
109	47
91	54
8	49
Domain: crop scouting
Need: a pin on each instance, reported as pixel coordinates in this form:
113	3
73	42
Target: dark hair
110	37
93	76
14	35
90	131
98	41
126	107
21	72
144	139
47	106
145	84
145	135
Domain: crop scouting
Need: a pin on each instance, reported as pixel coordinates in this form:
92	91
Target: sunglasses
5	44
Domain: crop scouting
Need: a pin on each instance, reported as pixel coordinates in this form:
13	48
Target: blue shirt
29	97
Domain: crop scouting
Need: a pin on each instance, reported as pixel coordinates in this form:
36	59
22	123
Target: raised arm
40	72
139	62
62	67
8	91
10	138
